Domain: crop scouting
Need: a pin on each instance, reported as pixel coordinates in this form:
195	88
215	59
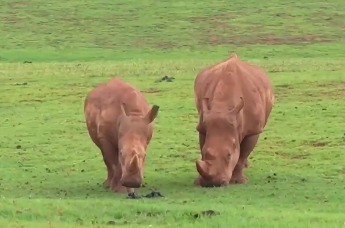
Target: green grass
50	171
40	30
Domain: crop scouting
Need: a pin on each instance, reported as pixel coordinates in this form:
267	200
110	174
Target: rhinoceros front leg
202	137
247	146
202	134
115	185
108	158
107	182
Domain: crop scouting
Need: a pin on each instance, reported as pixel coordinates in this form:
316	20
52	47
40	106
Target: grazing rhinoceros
120	122
234	100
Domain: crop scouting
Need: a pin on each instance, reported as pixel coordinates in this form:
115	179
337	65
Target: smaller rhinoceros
120	122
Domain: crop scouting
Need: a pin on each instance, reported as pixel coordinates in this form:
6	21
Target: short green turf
53	53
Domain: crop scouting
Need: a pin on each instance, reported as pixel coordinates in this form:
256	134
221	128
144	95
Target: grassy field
52	53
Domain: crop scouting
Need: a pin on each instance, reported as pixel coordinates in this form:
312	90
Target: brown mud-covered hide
120	122
234	100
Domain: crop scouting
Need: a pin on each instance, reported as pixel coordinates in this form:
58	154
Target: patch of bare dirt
283	90
139	43
318	143
334	90
265	39
151	91
207	213
218	29
285	86
298	156
340	85
12	19
19	4
198	19
315	90
31	101
214	39
333	20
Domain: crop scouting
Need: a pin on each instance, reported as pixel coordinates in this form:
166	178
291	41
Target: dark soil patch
151	91
297	156
283	90
19	4
334	90
153	194
271	178
139	43
214	39
133	195
207	213
149	213
318	144
300	156
198	19
339	85
220	29
285	86
111	222
165	79
278	40
333	20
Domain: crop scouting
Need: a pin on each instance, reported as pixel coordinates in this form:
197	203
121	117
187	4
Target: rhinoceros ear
152	114
238	107
123	109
